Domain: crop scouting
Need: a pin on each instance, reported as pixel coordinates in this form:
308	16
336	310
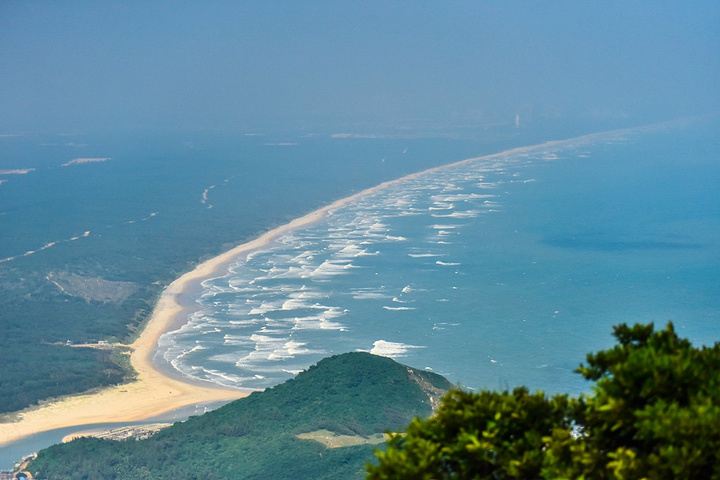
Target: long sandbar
154	392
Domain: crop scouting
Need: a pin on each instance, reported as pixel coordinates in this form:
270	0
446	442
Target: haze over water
220	120
496	273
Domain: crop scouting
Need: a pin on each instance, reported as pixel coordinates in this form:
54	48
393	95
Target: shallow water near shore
11	453
495	273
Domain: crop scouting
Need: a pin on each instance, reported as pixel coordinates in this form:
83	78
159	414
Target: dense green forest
355	394
148	225
653	412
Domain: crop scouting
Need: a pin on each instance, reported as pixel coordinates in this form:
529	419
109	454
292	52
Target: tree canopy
653	412
276	433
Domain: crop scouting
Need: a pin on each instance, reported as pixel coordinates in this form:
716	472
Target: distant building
524	114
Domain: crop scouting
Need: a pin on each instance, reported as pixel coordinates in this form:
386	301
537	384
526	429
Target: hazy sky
79	65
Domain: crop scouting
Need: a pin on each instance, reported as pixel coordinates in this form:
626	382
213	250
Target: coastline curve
155	392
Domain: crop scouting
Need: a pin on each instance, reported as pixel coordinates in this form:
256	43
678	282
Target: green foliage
654	412
256	437
66	371
476	436
33	329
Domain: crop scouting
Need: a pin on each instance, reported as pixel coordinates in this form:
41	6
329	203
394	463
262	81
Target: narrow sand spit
155	393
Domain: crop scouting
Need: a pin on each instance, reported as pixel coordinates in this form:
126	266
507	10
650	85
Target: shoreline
154	391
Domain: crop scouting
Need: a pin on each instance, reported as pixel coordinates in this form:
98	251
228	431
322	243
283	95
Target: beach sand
154	392
151	394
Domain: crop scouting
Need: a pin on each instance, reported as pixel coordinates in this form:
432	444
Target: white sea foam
243	323
444	325
369	295
317	322
391	349
304	258
353	251
378	227
442	206
440	199
214	330
295	304
288	350
236	340
224	358
223	377
411	212
451	188
274	329
266	307
192	350
285	303
401	202
331	267
307	294
458	214
264	346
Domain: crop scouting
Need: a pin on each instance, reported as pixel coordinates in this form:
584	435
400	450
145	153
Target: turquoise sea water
495	273
159	204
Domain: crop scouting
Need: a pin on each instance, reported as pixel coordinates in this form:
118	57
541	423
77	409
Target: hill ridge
351	398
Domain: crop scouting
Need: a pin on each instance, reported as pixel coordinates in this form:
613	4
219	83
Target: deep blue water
494	273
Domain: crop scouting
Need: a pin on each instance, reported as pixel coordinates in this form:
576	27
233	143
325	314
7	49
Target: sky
73	66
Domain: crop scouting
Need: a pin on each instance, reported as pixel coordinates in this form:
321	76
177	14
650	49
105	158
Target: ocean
495	273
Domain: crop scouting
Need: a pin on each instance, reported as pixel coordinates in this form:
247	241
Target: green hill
283	432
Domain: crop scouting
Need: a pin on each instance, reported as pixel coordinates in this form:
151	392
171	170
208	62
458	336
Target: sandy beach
154	392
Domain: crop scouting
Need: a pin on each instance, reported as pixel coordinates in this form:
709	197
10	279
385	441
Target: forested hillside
346	399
